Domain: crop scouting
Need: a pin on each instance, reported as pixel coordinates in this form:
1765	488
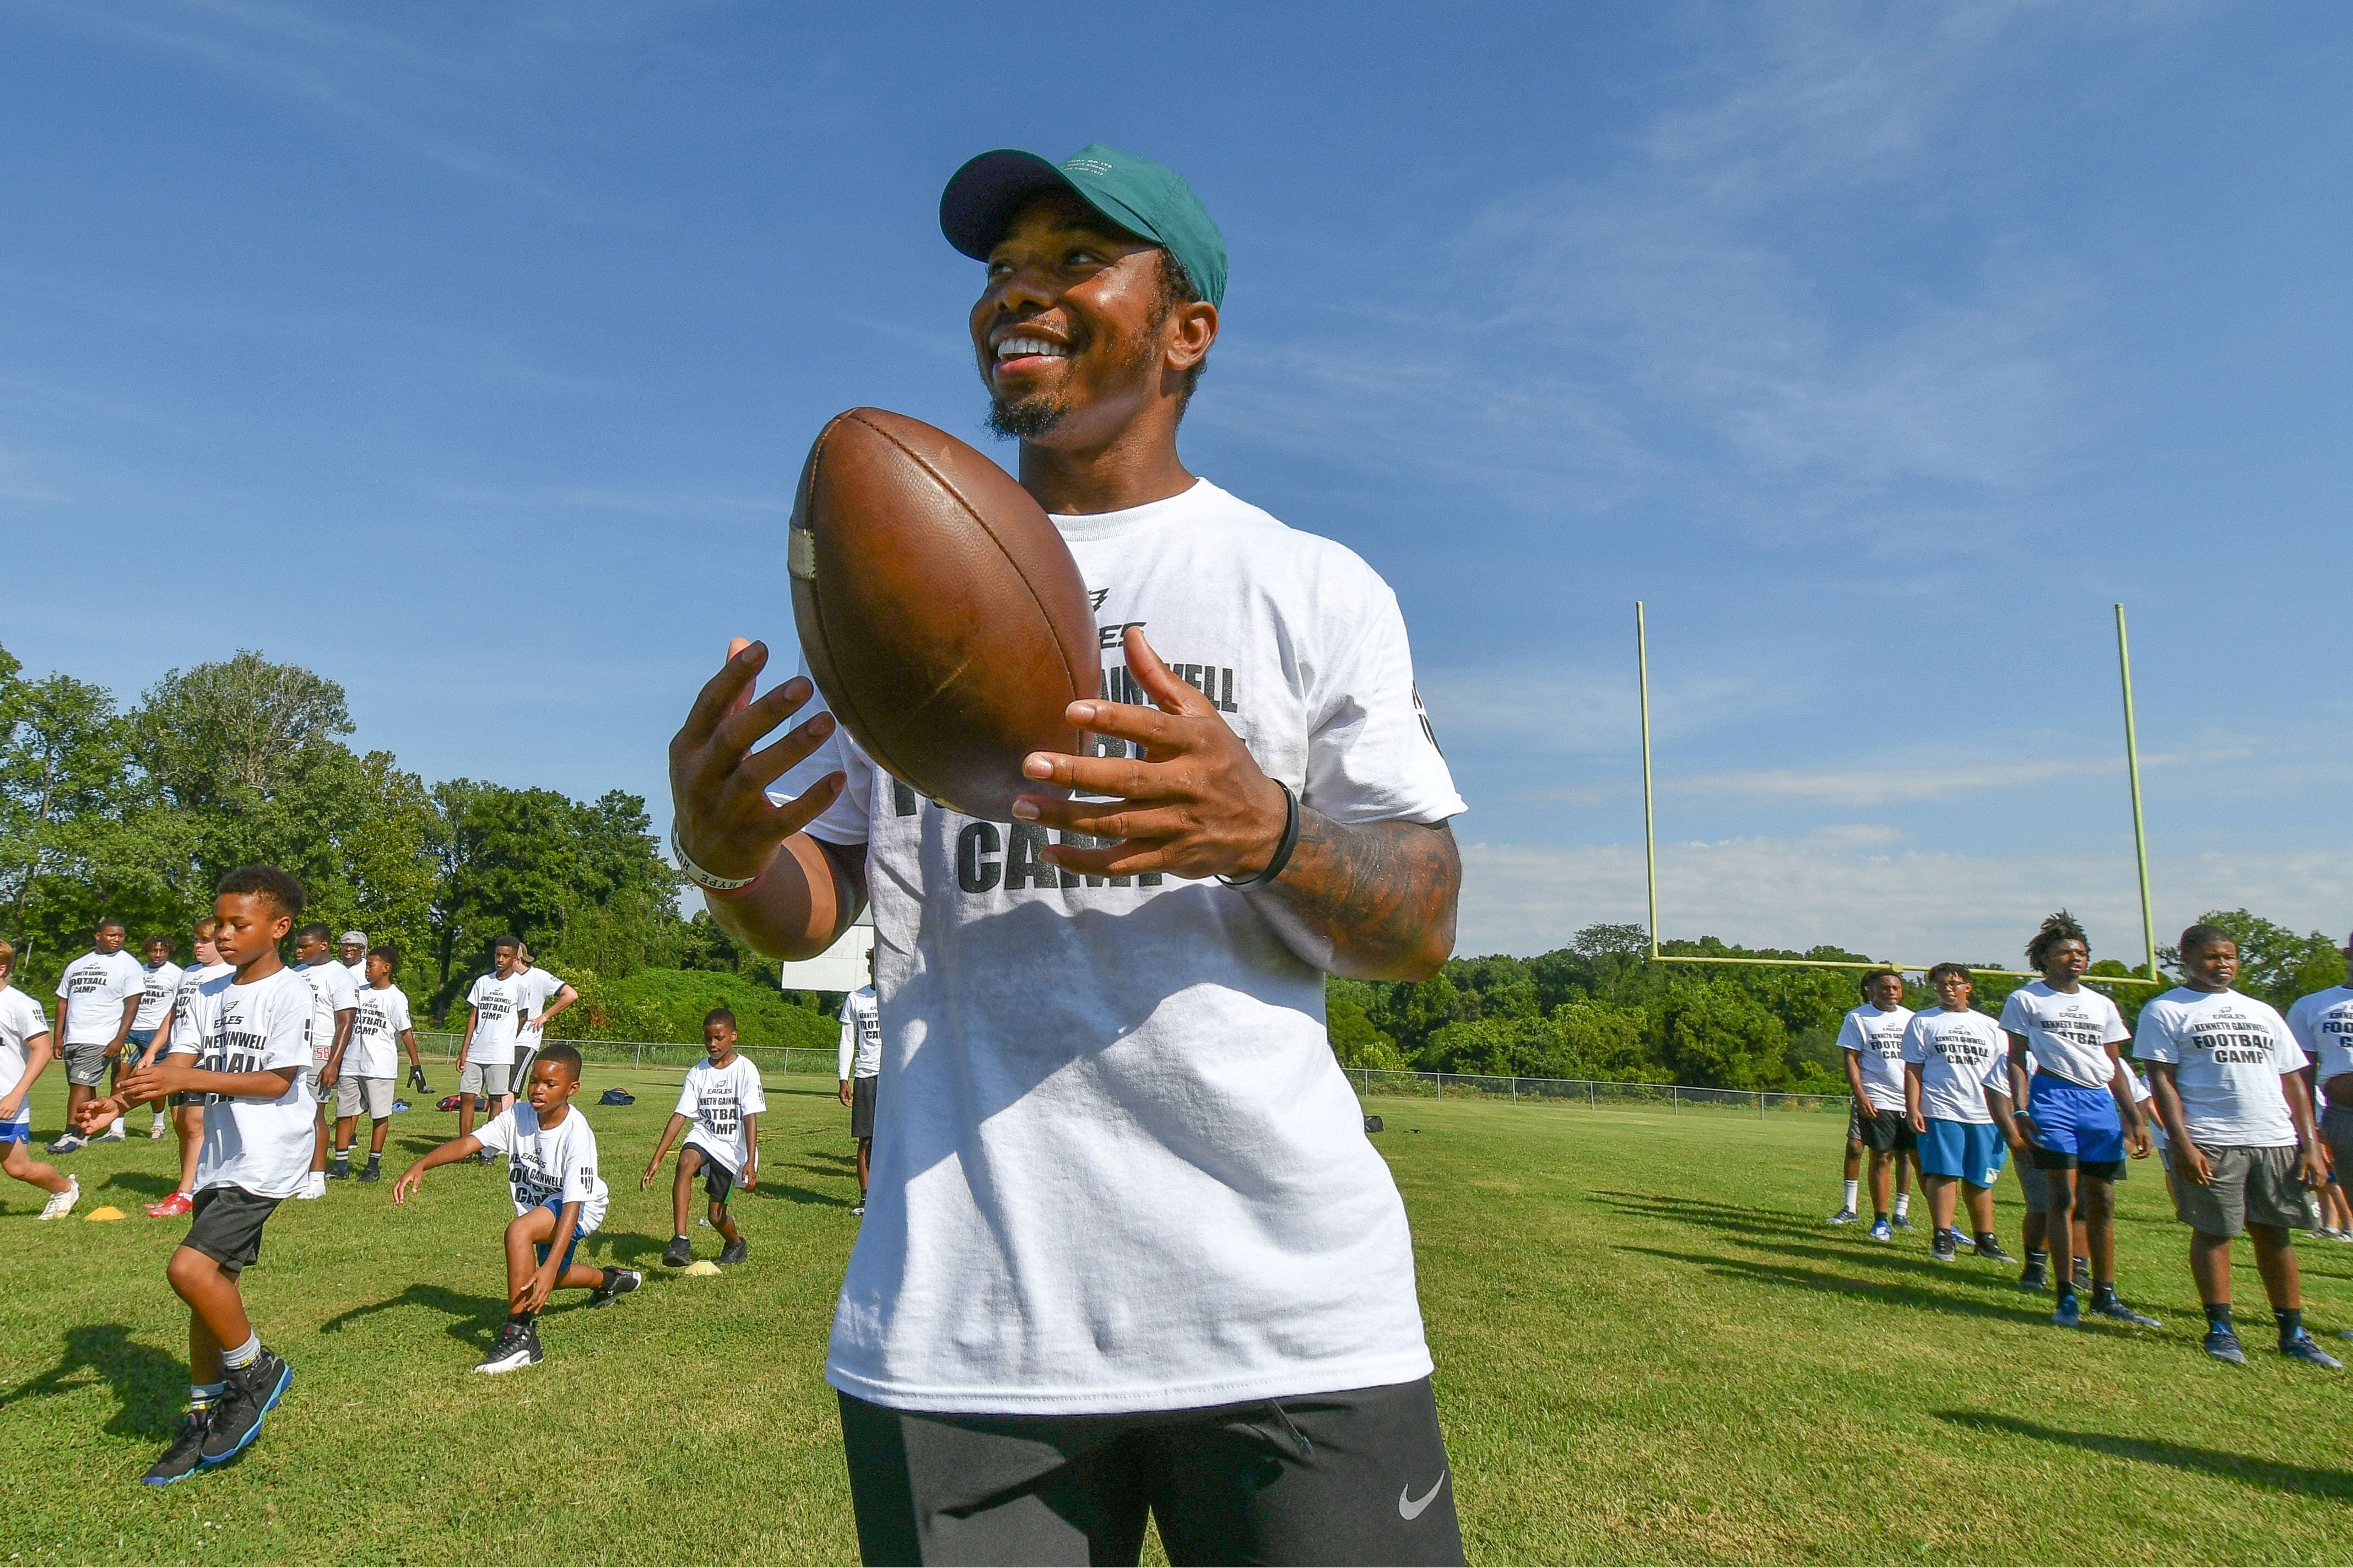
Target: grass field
1650	1349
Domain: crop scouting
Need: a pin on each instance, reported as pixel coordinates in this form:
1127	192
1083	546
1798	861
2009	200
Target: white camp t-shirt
536	989
95	987
496	1004
358	972
2321	1024
194	1008
20	1020
1120	1168
1876	1037
717	1099
261	1145
330	989
158	986
862	1035
374	1051
1961	1055
2227	1052
544	1163
2069	1035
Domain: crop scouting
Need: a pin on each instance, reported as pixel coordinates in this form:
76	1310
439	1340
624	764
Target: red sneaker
171	1207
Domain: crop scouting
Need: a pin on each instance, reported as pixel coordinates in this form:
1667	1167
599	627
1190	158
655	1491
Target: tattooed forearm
1369	902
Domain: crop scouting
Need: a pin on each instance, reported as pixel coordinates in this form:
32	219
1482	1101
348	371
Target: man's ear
1191	329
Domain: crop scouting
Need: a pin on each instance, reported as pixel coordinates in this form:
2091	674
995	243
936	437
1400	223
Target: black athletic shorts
226	1226
2064	1160
1888	1132
718	1181
861	1106
1359	1475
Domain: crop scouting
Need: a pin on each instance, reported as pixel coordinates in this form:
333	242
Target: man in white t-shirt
158	987
1871	1038
2321	1024
1956	1097
336	1009
495	1003
2227	1079
1123	1202
719	1109
371	1065
860	1064
25	1055
98	997
350	951
543	996
2077	1109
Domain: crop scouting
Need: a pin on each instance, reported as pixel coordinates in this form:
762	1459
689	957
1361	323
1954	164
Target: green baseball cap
1148	200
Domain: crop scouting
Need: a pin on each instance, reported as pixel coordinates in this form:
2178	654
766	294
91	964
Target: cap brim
981	196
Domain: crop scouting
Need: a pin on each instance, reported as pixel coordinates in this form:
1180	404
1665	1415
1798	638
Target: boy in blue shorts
2079	1112
1956	1097
551	1160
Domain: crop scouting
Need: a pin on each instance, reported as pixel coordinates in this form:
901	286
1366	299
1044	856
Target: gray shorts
2251	1187
311	1082
485	1081
2036	1184
369	1097
86	1065
2336	1131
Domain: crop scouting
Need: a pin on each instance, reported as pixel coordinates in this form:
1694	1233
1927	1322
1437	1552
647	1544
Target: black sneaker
253	1392
679	1253
339	1170
2036	1279
1943	1249
734	1252
1991	1250
184	1458
2084	1275
374	1173
622	1282
487	1157
517	1347
2111	1307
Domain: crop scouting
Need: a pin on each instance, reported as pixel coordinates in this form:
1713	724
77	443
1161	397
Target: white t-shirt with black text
2069	1032
536	989
193	1008
1121	1170
862	1035
95	987
21	1021
1961	1055
717	1100
157	987
2321	1024
497	1005
1877	1038
260	1145
331	993
2229	1052
374	1051
557	1162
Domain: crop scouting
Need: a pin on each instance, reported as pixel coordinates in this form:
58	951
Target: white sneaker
160	1126
114	1133
62	1204
314	1186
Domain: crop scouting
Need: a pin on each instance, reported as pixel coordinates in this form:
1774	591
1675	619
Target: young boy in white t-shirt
158	990
364	1085
1957	1098
552	1163
494	1017
2227	1079
184	1028
256	1153
25	1053
720	1103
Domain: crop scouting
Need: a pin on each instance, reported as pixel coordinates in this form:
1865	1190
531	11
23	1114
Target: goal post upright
2132	771
1650	826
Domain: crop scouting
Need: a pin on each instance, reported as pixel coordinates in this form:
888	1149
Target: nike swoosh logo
1410	1507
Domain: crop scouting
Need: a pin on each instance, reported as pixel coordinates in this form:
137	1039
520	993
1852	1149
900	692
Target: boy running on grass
2077	1110
1871	1039
551	1160
724	1102
2227	1079
191	1006
364	1085
24	1054
1956	1095
257	1152
159	988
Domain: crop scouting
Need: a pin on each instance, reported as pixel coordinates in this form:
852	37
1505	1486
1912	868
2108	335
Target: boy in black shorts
721	1101
255	1155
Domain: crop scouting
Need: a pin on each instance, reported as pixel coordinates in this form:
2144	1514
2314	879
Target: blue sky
467	354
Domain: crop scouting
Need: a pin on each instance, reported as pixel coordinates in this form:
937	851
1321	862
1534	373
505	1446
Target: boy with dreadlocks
2078	1111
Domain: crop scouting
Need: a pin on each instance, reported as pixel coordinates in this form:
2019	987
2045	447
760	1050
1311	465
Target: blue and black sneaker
2299	1346
1900	1223
184	1458
1844	1216
2113	1308
2070	1312
254	1391
1942	1249
2223	1345
1879	1231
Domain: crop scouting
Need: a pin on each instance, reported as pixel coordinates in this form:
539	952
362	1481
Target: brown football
940	611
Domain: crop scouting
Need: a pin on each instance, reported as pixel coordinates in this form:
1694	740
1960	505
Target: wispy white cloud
1880	786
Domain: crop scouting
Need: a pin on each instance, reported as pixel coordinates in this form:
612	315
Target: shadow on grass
152	1387
622	1249
2302	1481
140	1182
474	1319
785	1192
1893	1295
1723	1216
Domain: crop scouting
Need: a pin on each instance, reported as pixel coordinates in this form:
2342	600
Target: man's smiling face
1067	329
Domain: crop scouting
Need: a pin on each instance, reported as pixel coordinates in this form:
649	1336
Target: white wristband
706	880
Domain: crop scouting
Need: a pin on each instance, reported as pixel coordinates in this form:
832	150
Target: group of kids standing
2227	1105
245	1051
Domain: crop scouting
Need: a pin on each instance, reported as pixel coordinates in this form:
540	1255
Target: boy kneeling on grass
551	1160
724	1099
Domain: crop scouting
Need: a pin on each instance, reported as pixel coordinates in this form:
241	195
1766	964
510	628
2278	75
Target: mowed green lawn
1650	1349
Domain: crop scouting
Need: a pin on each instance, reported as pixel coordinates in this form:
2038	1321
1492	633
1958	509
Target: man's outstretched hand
1195	803
719	785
